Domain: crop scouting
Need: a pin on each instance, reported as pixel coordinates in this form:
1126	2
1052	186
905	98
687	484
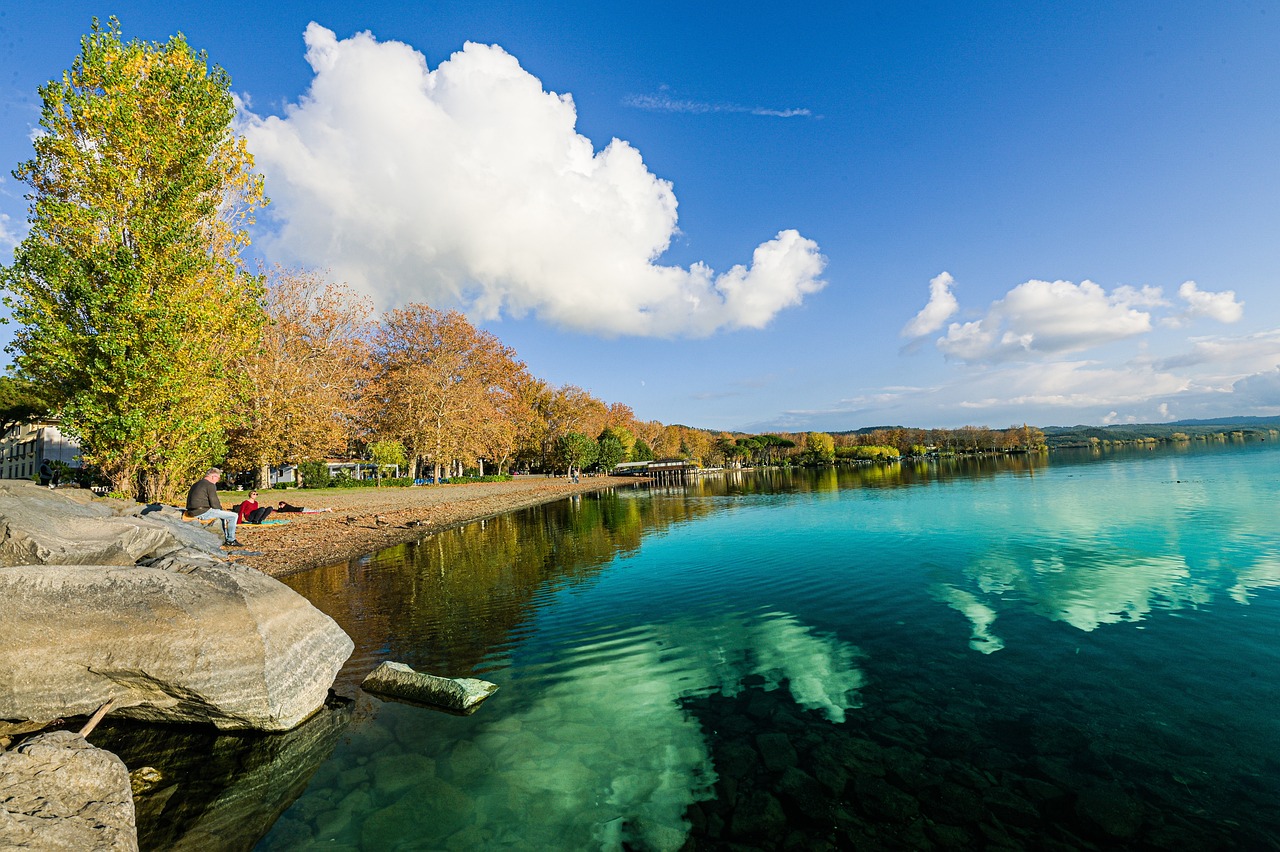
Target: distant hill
1254	427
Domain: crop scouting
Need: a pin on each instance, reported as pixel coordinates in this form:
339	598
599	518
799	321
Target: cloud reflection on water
608	758
1091	588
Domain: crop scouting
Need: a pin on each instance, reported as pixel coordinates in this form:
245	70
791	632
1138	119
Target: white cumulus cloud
468	185
1046	318
942	304
1221	306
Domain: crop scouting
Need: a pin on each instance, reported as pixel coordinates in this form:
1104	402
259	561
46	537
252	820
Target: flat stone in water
398	681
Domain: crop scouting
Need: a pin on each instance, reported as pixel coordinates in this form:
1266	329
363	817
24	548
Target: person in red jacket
251	512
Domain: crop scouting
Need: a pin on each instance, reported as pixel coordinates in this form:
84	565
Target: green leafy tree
576	450
386	454
609	450
773	445
640	451
750	448
21	401
625	437
819	448
129	292
314	474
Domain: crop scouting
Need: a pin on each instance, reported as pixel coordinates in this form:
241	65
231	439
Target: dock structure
671	471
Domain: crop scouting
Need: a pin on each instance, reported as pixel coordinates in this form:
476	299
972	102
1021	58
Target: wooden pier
671	471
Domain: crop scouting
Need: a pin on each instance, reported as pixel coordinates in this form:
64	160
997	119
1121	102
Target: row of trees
141	326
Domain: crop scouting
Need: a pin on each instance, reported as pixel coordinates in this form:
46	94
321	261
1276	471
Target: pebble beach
365	520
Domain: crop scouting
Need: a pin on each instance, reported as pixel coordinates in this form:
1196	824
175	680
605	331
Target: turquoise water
1065	652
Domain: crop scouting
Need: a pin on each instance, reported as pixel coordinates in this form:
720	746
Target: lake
1069	651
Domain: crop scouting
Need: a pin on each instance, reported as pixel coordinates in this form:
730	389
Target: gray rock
71	527
396	680
223	644
1010	808
759	816
61	793
880	800
802	790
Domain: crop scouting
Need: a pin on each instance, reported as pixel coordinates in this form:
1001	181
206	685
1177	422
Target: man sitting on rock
203	503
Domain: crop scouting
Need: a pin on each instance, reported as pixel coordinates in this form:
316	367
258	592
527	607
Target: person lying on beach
285	507
251	513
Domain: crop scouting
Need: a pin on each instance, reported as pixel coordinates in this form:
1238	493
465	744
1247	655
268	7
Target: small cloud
1250	353
1135	297
666	103
942	304
1221	306
1046	318
8	234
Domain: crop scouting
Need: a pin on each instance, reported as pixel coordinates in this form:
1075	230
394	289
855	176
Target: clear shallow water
1070	652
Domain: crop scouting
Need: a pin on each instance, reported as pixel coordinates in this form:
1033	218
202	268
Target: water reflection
451	603
220	791
666	681
979	614
1095	551
604	754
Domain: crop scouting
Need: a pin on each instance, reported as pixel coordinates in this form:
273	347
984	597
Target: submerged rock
208	791
396	680
222	644
61	793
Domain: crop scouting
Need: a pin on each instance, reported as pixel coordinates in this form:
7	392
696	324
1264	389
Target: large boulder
221	644
112	599
57	792
71	527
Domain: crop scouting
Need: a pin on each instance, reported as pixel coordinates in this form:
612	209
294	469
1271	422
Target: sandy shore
365	520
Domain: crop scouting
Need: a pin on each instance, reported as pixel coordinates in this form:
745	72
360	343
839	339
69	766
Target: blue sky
816	216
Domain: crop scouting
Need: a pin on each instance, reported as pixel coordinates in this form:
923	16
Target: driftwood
96	718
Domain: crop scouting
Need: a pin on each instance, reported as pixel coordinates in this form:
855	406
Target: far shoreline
368	519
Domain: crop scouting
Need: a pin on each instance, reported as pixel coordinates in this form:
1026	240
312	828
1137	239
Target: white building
26	445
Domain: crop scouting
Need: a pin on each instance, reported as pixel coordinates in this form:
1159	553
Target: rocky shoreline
196	636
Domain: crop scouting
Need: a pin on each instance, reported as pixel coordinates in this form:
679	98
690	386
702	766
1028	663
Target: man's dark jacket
202	497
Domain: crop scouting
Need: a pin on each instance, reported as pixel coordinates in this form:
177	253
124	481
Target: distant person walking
203	502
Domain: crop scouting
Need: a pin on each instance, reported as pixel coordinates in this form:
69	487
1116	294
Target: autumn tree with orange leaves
304	376
437	385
